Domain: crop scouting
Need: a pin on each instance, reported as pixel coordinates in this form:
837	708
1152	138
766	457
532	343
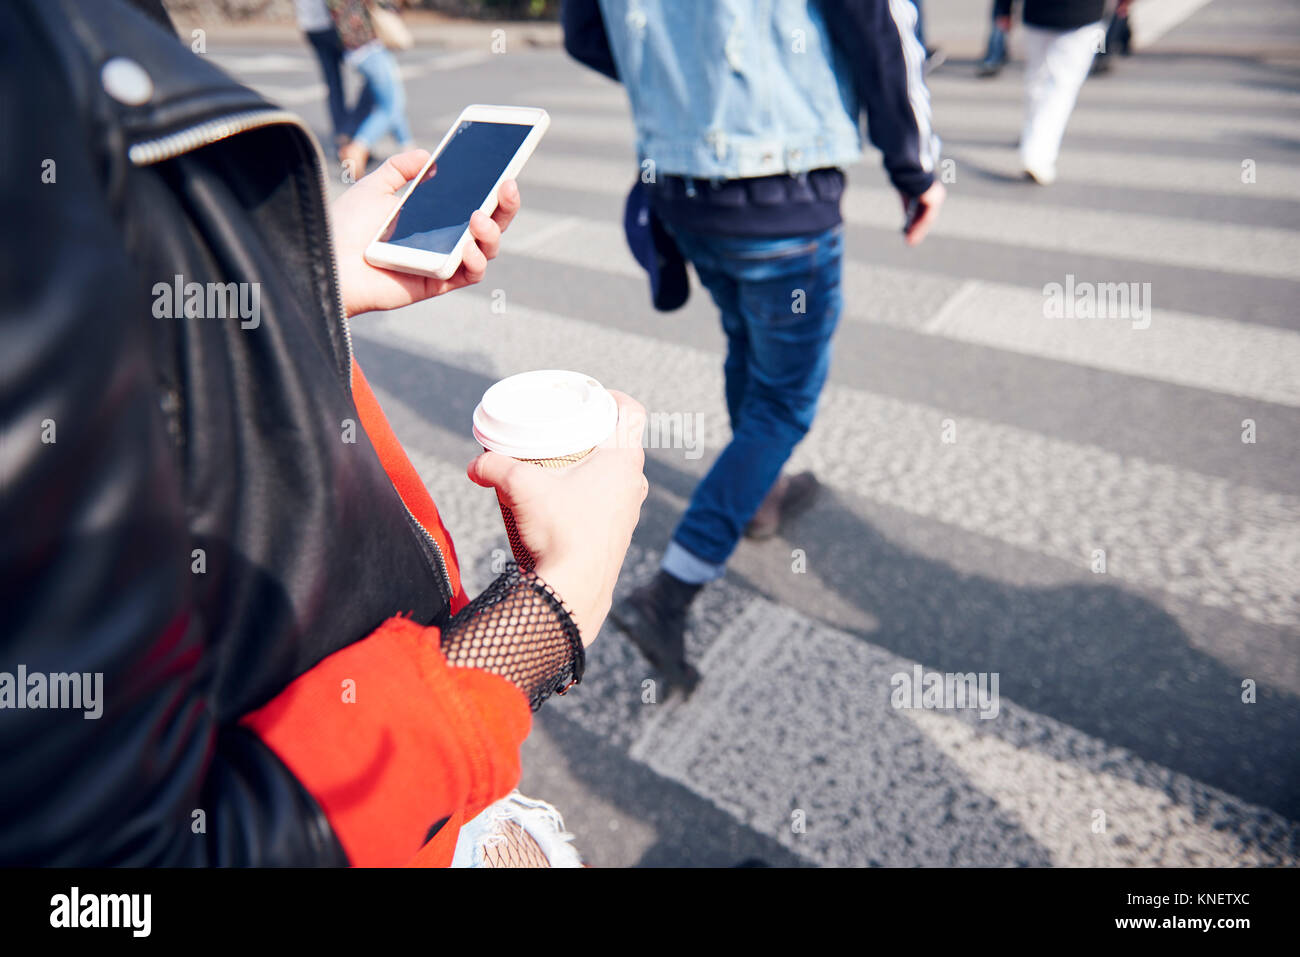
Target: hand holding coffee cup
565	457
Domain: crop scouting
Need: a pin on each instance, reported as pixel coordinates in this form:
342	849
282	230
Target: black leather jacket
181	508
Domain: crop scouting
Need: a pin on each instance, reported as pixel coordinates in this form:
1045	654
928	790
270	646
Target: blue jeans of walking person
329	54
995	55
379	67
996	52
780	301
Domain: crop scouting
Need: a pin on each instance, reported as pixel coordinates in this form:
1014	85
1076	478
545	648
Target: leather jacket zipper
149	152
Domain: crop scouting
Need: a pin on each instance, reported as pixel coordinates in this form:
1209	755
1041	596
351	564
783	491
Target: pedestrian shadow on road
1098	657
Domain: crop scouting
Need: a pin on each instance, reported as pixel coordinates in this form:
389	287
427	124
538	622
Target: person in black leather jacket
203	508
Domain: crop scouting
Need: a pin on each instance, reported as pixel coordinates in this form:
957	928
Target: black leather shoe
654	618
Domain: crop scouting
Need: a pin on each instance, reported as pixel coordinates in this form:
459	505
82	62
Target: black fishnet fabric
518	628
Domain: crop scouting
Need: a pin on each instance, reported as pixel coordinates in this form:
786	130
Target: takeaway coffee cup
550	418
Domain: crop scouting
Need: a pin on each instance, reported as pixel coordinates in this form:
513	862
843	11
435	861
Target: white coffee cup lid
544	414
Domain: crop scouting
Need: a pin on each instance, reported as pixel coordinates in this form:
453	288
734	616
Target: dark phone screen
436	214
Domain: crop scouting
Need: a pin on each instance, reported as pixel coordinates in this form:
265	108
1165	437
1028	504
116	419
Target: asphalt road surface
979	458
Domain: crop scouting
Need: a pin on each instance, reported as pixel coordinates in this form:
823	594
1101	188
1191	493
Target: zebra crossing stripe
1045	495
1202	352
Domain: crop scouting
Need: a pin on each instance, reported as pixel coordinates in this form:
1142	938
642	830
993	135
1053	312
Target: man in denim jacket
746	111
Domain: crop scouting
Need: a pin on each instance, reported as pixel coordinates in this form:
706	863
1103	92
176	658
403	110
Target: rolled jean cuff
688	567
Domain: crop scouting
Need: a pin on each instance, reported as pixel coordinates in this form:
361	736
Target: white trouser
1057	63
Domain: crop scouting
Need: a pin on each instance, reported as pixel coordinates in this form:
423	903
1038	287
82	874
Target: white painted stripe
293	95
264	62
872	783
1126	238
1132	92
1143	94
609	97
1201	352
887	296
982	119
1251	361
543	234
955	303
600	246
1055	797
1219	177
1031	491
299	94
452	61
1152	19
1130	238
1080	164
575	171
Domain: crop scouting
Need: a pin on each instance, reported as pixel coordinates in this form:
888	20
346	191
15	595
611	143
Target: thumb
398	170
491	469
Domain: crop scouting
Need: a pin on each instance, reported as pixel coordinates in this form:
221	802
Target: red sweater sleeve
390	740
387	737
405	479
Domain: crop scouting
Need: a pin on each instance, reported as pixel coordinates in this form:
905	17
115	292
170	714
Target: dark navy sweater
1056	14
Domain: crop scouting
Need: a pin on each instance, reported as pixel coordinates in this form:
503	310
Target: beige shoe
354	158
792	495
1041	176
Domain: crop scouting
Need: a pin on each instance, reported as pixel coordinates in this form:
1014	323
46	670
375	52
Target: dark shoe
1123	34
990	68
654	618
790	497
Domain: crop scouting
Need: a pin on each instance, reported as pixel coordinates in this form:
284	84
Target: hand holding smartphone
427	231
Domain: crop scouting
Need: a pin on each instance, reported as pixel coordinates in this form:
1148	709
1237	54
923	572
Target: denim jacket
731	89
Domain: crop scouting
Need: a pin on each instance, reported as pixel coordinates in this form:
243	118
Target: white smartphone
427	231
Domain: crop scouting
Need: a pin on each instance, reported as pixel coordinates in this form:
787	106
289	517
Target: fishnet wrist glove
519	629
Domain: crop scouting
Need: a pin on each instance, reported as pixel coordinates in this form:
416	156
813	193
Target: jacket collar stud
126	81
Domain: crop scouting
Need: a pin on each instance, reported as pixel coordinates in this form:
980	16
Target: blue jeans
996	54
780	301
329	54
379	67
